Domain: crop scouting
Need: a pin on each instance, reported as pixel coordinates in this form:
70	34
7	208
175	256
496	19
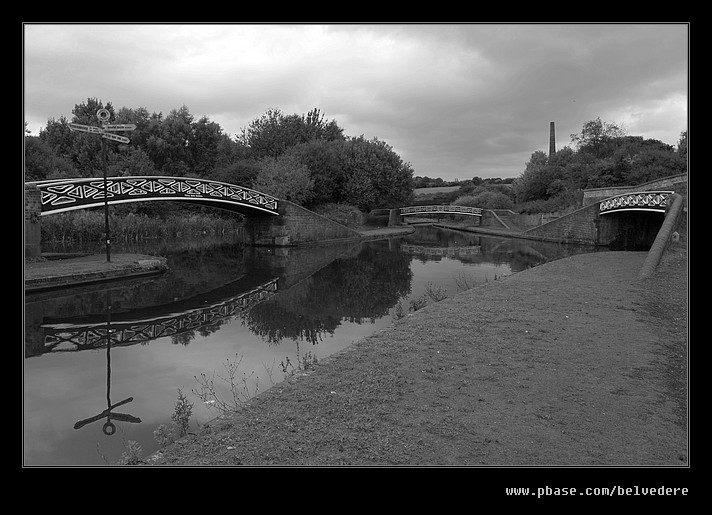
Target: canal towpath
61	270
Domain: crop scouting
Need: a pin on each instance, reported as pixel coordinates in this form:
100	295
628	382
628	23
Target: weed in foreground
239	388
167	434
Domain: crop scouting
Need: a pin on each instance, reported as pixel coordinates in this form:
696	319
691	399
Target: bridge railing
636	201
79	193
441	209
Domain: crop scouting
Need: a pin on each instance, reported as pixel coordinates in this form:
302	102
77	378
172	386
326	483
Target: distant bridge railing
441	209
637	201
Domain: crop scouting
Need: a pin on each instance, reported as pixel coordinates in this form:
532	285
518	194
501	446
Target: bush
567	200
285	178
486	200
347	215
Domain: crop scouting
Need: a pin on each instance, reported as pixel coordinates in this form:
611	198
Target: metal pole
106	203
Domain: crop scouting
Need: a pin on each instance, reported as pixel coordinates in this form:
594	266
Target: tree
317	128
58	137
605	156
143	121
83	150
535	179
376	176
285	178
233	163
642	160
596	137
310	160
324	161
205	137
682	146
41	162
273	133
168	144
130	161
86	152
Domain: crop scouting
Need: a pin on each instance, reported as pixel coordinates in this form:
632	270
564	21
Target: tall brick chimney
552	139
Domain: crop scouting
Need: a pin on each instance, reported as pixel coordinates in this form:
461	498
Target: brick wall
581	226
295	225
33	208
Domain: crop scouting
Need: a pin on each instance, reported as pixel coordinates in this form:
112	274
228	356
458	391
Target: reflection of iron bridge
72	337
441	251
441	209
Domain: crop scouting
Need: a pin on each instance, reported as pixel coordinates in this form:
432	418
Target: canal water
105	366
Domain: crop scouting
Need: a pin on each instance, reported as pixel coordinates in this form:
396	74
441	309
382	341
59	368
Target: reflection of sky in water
151	374
62	388
448	272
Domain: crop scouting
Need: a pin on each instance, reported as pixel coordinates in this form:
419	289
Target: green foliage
132	454
303	158
324	161
238	390
376	177
419	303
435	292
285	178
605	156
181	414
87	225
486	200
273	133
596	137
180	418
347	215
42	163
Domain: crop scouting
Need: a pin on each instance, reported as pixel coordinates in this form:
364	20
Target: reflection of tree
357	288
277	319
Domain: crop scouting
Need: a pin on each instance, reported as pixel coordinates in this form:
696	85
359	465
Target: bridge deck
441	209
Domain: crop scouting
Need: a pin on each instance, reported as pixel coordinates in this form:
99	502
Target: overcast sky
453	100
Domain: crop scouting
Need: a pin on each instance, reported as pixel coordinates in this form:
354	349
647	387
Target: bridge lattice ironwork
636	201
441	209
62	195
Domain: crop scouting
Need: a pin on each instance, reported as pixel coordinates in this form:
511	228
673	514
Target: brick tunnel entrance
631	230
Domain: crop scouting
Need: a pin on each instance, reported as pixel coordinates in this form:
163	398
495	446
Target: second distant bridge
441	209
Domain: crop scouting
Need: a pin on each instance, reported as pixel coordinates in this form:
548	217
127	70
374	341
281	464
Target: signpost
106	130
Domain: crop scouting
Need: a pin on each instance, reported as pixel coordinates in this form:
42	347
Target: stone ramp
42	274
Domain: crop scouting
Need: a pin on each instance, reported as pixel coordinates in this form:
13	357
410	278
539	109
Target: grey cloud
455	100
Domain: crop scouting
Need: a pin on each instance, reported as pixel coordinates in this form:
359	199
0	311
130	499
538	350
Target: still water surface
222	304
